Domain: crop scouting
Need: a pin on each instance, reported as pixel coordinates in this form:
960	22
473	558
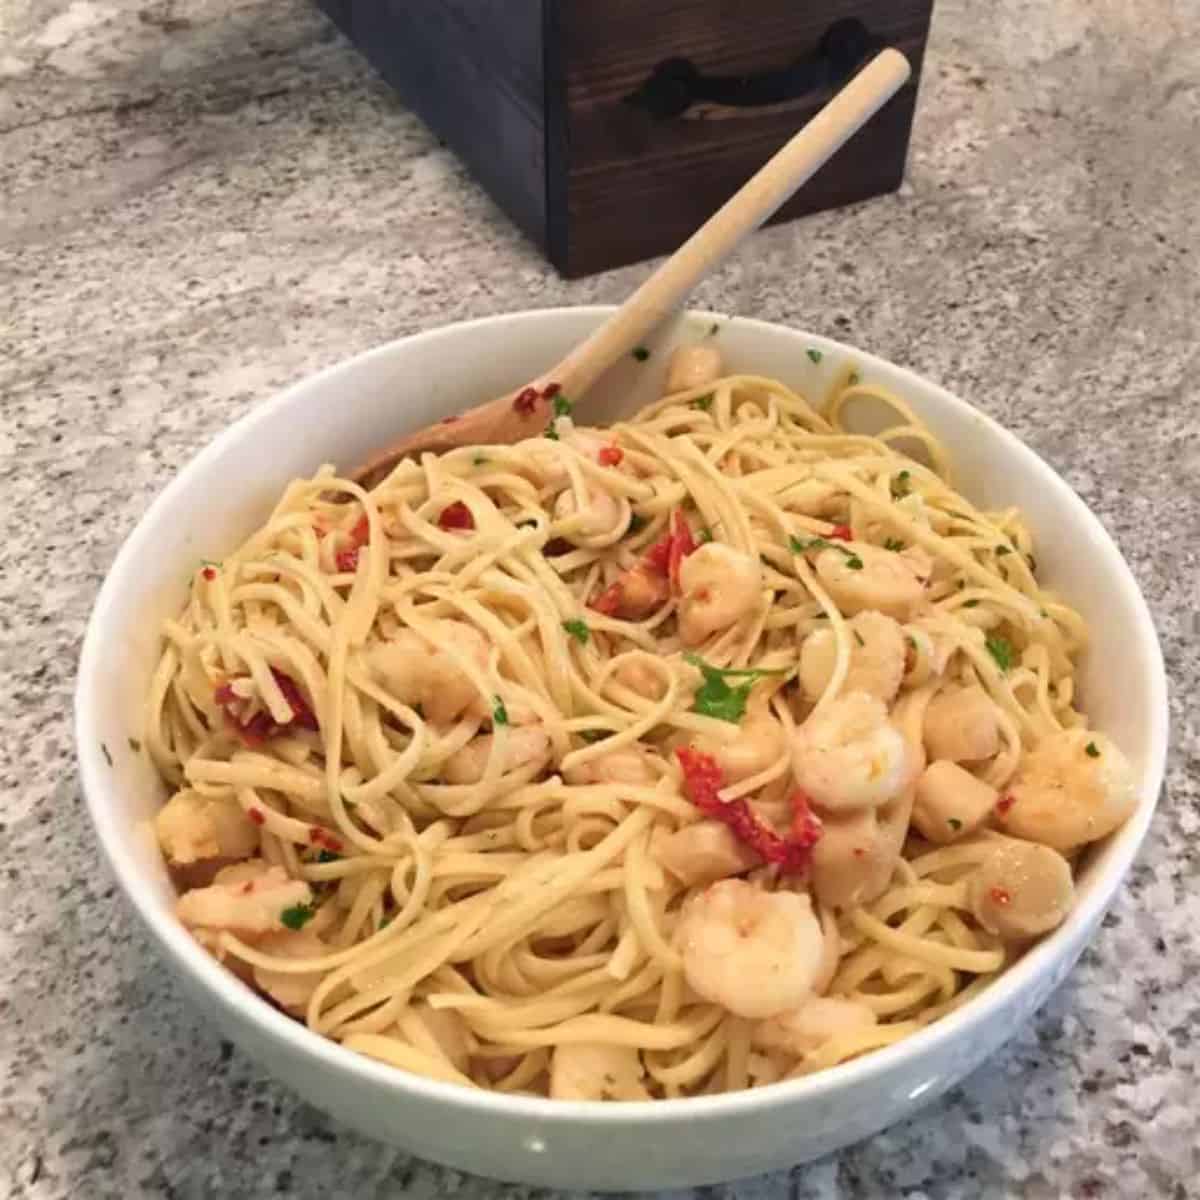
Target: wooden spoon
526	411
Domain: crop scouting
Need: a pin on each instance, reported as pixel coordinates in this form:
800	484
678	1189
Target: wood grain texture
473	71
636	185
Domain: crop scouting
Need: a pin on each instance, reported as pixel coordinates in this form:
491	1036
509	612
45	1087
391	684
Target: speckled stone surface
203	200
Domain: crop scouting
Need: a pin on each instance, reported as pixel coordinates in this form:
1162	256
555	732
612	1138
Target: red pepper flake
703	780
1005	803
843	533
859	852
256	815
209	573
551	390
526	402
456	516
666	555
1000	896
449	420
324	839
256	729
302	714
610	456
347	560
248	886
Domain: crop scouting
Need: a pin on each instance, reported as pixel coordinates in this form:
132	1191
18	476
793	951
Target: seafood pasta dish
692	754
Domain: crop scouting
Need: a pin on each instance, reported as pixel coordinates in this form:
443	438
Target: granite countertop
203	200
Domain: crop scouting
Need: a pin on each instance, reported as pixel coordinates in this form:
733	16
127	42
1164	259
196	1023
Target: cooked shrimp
849	755
1074	787
526	747
962	725
422	674
1021	890
192	827
816	1021
636	594
756	953
885	581
291	992
596	1071
700	854
603	516
631	764
248	899
692	367
877	654
719	586
756	744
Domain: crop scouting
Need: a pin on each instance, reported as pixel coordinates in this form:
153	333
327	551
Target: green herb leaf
893	544
854	378
578	630
551	432
328	856
714	329
704	403
859	638
298	915
562	406
595	735
637	523
107	756
1001	649
499	712
1001	551
901	485
814	355
716	698
479	460
703	536
954	823
970	603
1093	751
641	353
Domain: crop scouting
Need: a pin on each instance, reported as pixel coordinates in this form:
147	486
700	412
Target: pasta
711	749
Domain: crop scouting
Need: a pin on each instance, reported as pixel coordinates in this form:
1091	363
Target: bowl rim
207	976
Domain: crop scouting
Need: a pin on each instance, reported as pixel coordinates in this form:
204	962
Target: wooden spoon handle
740	216
527	412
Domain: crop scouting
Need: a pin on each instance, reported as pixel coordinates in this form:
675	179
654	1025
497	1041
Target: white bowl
345	412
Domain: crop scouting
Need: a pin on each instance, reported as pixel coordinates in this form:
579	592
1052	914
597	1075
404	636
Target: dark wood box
610	129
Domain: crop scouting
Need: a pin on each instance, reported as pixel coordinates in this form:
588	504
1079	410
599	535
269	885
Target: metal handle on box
677	83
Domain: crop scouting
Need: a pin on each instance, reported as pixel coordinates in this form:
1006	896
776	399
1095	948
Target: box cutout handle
676	84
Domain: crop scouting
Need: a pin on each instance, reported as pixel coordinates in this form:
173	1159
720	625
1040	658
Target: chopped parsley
1001	649
814	355
479	460
954	823
641	353
107	756
859	638
901	485
499	712
716	697
1093	751
135	745
800	546
1001	551
298	915
703	536
893	544
551	432
854	378
714	329
578	630
637	523
595	735
704	403
970	603
562	406
327	856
